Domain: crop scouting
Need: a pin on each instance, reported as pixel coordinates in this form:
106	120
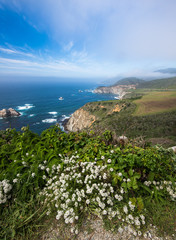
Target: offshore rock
79	120
9	113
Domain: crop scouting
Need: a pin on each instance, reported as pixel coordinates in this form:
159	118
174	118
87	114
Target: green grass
148	114
155	102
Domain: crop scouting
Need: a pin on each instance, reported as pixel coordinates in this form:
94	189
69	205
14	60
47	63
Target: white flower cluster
74	185
5	188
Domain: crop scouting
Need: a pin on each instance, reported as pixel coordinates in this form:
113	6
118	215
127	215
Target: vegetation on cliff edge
69	176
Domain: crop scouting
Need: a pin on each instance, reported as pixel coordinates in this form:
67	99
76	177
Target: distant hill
167	70
129	81
164	83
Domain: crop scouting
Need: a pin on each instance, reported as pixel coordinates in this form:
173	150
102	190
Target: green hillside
118	117
129	81
166	83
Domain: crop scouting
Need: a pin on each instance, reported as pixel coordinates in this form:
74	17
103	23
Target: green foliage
139	176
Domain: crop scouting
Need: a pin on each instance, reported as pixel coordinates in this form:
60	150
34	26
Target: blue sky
87	38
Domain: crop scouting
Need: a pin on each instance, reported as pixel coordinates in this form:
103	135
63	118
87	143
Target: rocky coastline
120	90
79	120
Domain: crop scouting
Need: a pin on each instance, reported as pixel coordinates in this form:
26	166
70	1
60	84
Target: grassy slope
155	102
161	123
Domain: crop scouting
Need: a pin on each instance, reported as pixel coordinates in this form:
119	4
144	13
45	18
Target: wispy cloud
78	65
68	46
13	51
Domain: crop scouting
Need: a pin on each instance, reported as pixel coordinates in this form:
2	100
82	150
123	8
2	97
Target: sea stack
9	113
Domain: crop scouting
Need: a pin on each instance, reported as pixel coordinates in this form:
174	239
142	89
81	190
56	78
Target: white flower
87	201
111	169
15	180
104	212
102	157
104	176
125	209
109	161
120	174
120	230
33	174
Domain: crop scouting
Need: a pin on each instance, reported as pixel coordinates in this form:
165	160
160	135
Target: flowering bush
72	175
5	188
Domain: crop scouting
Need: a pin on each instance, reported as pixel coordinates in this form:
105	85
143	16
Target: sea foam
25	107
49	120
31	115
53	113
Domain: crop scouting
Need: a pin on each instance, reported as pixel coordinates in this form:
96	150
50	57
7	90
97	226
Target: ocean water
39	103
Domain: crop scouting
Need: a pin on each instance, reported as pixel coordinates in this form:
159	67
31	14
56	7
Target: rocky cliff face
117	90
9	113
79	120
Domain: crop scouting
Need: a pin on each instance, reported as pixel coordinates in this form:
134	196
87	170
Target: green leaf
151	176
130	172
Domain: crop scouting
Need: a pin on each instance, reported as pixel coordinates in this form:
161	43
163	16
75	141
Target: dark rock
9	113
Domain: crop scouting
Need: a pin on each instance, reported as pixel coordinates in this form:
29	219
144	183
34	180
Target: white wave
31	115
36	123
49	120
89	90
53	113
25	107
1	118
64	117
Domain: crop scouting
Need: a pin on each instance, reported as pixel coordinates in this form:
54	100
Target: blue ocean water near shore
39	103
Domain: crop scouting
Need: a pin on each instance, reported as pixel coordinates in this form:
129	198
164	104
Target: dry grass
155	102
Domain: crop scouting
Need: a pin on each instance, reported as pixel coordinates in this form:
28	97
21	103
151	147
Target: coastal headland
138	112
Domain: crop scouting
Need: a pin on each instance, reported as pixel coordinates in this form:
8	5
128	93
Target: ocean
39	104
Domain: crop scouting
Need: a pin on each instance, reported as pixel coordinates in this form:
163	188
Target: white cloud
16	52
107	37
68	46
6	50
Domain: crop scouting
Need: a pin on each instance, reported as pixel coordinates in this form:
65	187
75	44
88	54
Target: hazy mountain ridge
129	81
159	83
167	70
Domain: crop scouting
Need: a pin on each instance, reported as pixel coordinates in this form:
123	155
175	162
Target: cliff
9	113
79	120
117	90
90	112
